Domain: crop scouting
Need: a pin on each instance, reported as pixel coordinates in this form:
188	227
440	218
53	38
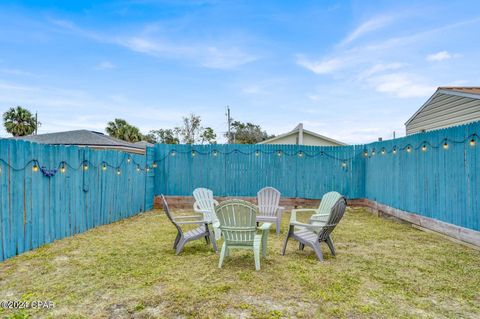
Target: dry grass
128	270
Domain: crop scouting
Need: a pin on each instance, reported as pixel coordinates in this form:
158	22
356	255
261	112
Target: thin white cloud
401	85
367	27
439	56
323	66
379	68
105	65
220	55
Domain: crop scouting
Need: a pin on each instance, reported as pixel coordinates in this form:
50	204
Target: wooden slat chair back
205	204
268	200
202	231
238	223
324	209
312	234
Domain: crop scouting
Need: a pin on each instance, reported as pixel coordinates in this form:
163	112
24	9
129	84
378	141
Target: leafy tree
120	129
208	136
164	136
192	132
19	121
247	133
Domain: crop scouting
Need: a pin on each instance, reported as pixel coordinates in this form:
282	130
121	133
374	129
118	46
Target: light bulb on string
344	164
147	169
215	153
85	166
445	145
279	153
173	153
257	153
373	152
154	165
194	154
129	159
383	151
118	171
424	147
394	151
62	168
300	154
35	167
104	167
365	153
472	142
138	168
409	148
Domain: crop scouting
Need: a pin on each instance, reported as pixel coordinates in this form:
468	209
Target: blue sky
351	70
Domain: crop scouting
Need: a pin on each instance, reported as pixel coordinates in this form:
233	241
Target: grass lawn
128	270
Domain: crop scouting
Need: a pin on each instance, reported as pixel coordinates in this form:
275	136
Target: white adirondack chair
205	204
269	210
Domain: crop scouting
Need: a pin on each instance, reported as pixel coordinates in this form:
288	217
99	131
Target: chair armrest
185	217
192	222
304	210
265	226
308	226
215	202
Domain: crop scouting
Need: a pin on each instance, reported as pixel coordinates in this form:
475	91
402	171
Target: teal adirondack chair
238	222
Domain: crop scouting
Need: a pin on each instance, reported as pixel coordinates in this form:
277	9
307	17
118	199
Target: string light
344	164
173	153
365	153
300	154
104	167
194	154
118	171
147	169
62	168
424	147
373	152
394	150
383	151
257	153
215	153
472	142
129	159
154	165
138	168
279	153
409	148
85	166
35	167
445	145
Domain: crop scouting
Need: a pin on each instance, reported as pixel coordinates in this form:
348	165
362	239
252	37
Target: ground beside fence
127	269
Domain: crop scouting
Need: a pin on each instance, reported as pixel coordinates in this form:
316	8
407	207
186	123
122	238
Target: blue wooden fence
434	174
89	188
418	173
241	170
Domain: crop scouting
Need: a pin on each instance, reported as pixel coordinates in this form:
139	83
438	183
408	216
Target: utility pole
36	123
229	121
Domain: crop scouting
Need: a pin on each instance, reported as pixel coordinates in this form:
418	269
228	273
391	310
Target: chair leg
318	251
285	244
207	240
277	229
214	242
180	245
330	245
256	255
301	246
175	243
222	254
264	243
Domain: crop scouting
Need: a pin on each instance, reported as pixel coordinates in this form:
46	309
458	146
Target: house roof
296	130
472	92
83	138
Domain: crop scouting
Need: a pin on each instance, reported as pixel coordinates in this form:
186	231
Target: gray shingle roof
82	138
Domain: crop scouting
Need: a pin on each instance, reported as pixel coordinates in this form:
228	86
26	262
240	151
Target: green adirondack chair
238	223
320	215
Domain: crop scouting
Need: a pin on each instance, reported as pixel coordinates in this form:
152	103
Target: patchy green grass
129	270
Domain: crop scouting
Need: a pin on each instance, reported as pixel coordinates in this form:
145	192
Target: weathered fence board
36	209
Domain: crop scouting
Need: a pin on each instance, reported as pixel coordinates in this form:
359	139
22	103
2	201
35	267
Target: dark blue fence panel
36	209
242	170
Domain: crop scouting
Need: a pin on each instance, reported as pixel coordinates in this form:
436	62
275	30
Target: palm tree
19	121
120	129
